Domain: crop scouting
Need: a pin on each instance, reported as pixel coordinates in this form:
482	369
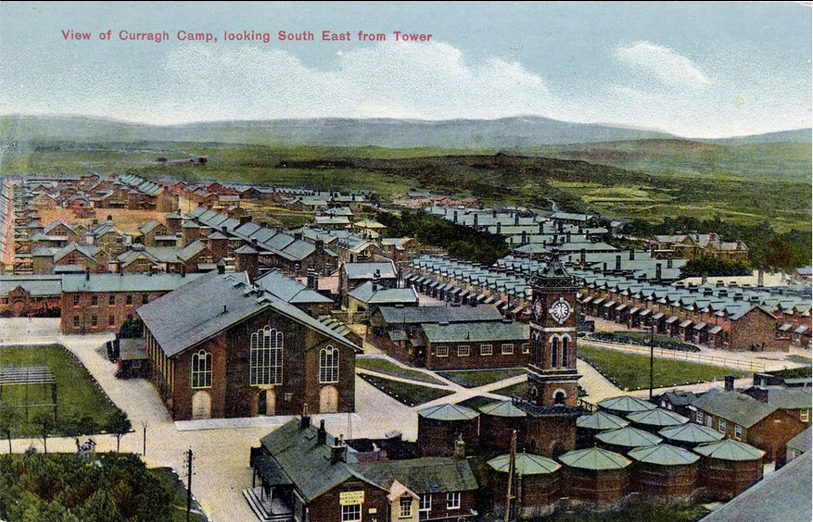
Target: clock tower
552	377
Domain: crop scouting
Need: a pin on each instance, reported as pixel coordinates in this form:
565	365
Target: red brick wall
326	508
549	433
757	328
476	361
773	432
85	310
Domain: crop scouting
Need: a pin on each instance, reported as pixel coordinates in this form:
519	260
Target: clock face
560	310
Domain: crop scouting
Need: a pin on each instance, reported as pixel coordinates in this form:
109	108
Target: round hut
497	421
664	470
625	439
655	420
596	474
689	435
440	426
587	426
623	405
537	483
729	467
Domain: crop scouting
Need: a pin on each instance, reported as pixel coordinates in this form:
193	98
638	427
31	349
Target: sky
711	69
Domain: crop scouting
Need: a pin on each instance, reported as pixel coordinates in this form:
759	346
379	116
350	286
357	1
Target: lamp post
651	359
144	439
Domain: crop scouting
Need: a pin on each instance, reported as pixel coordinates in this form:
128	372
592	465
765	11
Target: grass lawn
639	513
519	389
78	395
631	371
390	368
172	482
801	359
476	402
405	393
475	378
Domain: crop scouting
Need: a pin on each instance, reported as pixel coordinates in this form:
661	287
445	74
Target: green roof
595	459
729	449
628	437
601	420
424	475
125	282
691	432
525	464
476	332
657	417
626	403
733	406
448	412
664	455
502	409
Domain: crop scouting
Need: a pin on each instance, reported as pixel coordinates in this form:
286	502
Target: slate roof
789	398
657	417
476	332
733	406
448	412
783	496
526	464
692	433
729	449
191	250
366	294
664	455
423	475
125	282
628	437
502	409
211	304
87	251
289	290
626	403
367	270
438	314
36	285
595	458
801	442
601	420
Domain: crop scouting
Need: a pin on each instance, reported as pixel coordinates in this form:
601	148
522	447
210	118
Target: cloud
668	66
417	80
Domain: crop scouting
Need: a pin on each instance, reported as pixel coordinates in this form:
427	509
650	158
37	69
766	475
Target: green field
637	513
390	368
801	359
475	378
405	393
519	389
631	371
81	404
172	483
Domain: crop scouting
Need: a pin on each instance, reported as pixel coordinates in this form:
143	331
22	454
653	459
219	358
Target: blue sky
693	69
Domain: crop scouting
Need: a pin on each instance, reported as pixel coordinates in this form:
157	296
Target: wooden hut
664	470
689	435
656	419
440	426
729	467
595	474
497	421
625	439
588	426
536	486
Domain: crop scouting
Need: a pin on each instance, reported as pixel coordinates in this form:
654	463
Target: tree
8	420
119	425
707	266
45	425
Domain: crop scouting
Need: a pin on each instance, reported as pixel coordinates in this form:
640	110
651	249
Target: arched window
559	397
565	342
202	369
266	357
534	394
329	365
554	352
536	348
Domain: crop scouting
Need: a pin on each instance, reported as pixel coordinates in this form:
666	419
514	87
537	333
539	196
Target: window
453	500
94	320
699	417
266	357
111	300
129	299
145	299
351	513
111	320
426	502
329	365
737	431
708	421
565	342
507	349
804	415
526	348
76	321
554	353
485	349
442	351
463	350
75	299
721	425
202	370
94	301
406	507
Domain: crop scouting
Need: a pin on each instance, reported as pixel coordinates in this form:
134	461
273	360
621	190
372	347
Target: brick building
478	345
220	347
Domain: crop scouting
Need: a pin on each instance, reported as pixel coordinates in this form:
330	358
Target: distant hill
510	133
791	136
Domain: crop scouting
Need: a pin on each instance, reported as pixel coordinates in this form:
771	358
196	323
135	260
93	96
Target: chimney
499	228
338	452
221	267
524	237
618	262
760	394
632	255
605	268
321	433
494	213
254	243
760	278
225	230
658	272
311	278
475	220
516	219
454	216
541	225
568	236
729	383
305	419
583	256
320	245
459	448
87	274
669	263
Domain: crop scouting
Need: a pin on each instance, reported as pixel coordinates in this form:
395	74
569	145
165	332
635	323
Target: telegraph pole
512	467
189	459
651	359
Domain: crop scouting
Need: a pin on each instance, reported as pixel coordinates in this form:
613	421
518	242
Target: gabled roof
476	332
801	442
423	475
213	303
366	294
125	282
191	250
385	270
733	406
288	289
789	398
86	251
438	314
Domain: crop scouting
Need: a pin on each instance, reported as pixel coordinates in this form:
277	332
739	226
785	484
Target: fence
664	353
